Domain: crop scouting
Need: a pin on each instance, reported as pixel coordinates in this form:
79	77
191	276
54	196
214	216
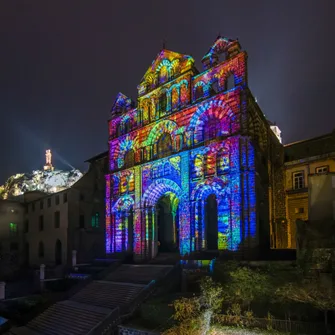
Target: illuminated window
230	82
13	228
299	210
322	169
164	145
175	98
95	220
183	95
222	161
198	167
210	129
199	92
298	180
129	158
163	103
163	74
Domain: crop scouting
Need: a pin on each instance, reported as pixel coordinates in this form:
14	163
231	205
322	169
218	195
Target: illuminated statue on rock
48	165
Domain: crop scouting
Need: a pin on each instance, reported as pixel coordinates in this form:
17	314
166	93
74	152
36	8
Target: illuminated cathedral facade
192	165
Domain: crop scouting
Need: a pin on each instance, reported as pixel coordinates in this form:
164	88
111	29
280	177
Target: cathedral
193	165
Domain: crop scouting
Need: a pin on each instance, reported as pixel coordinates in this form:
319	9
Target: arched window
198	167
41	250
222	161
163	74
126	126
164	145
215	86
163	103
183	95
129	158
199	92
230	82
175	98
210	129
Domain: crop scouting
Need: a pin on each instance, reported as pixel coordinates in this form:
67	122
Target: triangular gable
122	103
172	61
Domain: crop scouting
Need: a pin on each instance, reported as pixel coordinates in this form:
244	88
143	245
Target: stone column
2	290
42	272
74	258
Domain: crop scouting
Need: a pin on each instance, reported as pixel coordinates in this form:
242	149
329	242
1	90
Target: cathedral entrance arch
167	223
161	201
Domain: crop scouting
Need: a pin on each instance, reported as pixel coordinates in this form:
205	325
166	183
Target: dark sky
63	62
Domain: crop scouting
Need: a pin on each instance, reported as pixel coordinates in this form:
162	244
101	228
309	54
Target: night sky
63	62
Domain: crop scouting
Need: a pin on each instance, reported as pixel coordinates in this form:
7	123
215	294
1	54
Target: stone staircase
99	306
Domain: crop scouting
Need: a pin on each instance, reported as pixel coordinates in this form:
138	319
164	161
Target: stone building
58	223
303	159
11	236
195	166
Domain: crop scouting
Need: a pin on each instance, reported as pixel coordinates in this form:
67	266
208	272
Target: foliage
186	308
211	294
246	285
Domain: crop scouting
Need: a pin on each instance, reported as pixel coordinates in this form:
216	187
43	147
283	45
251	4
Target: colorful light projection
198	120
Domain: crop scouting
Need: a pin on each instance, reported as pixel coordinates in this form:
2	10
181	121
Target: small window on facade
57	199
14	246
26	226
41	250
33	207
64	197
81	221
57	219
163	103
41	223
41	204
299	210
199	92
322	169
13	228
298	180
49	202
95	220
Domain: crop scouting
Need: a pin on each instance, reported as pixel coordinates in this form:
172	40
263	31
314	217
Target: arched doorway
58	252
211	222
167	224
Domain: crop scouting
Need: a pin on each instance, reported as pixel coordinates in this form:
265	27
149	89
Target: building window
81	197
49	202
57	199
299	210
14	246
322	169
13	228
26	226
81	221
64	198
33	207
57	219
41	204
41	223
95	220
298	180
199	92
41	250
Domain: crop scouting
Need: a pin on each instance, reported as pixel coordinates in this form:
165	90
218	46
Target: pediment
167	62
